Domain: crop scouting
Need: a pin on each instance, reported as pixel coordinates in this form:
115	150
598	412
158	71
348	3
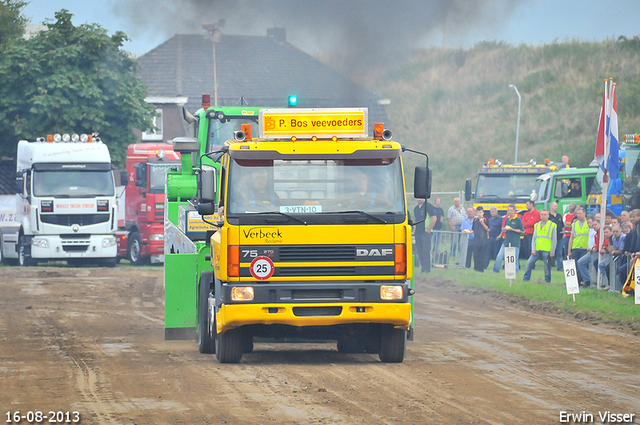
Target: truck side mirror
141	175
467	190
206	209
207	185
124	178
422	182
19	183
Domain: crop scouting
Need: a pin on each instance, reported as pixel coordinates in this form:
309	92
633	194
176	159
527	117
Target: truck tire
393	344
206	343
134	249
24	252
229	346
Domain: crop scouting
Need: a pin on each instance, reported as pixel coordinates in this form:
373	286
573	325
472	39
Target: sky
150	22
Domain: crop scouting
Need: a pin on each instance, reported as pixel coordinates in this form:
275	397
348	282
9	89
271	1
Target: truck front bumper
61	247
231	316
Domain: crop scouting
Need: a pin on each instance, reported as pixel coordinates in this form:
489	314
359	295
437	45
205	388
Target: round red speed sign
262	268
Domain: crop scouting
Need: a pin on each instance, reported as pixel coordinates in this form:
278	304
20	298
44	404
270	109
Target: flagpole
605	177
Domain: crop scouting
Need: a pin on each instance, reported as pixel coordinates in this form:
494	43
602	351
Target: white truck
66	204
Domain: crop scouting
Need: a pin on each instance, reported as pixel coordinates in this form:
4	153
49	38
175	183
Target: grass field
600	304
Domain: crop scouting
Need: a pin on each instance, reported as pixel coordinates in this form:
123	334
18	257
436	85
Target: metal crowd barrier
612	279
449	249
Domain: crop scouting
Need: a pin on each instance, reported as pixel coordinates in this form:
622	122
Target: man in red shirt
529	219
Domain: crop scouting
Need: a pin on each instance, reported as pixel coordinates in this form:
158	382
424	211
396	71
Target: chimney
279	34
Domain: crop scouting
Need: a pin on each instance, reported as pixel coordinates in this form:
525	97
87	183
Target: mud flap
410	334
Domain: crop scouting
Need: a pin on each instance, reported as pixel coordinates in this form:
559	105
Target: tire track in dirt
92	383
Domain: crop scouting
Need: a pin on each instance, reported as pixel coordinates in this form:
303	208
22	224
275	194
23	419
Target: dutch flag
608	126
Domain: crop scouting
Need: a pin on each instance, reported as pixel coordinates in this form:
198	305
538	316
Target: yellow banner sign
323	123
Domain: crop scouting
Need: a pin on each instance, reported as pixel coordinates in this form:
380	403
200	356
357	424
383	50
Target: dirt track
91	340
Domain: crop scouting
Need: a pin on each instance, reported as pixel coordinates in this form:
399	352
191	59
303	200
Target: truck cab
569	185
141	239
500	185
65	201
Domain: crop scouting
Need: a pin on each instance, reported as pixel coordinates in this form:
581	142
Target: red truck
141	235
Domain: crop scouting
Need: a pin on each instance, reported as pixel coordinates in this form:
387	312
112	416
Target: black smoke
362	32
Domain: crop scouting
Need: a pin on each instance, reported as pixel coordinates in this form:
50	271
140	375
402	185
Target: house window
156	134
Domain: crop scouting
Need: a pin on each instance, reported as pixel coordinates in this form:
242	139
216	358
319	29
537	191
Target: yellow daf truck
313	238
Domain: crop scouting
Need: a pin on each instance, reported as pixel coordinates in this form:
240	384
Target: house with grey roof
249	70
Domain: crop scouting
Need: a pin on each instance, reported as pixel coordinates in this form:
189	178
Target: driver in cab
364	196
260	193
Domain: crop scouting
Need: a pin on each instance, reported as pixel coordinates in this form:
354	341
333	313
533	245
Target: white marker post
636	276
571	277
510	263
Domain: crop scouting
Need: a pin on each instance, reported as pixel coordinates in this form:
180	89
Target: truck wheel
206	344
229	346
134	249
24	252
393	344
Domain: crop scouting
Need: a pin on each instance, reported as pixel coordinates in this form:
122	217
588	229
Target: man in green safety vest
579	239
543	245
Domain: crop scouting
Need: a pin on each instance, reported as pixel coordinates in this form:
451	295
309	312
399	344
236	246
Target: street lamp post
518	126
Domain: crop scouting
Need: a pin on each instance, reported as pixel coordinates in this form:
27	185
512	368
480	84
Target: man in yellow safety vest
579	240
543	245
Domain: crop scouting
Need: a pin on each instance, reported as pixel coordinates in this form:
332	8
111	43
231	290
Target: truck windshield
505	188
543	190
157	176
316	186
221	132
73	183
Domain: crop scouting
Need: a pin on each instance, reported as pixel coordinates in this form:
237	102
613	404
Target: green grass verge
601	304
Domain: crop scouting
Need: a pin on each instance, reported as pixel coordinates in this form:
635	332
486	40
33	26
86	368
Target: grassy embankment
601	304
458	107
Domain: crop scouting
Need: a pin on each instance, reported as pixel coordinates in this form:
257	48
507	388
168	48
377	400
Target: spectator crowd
537	235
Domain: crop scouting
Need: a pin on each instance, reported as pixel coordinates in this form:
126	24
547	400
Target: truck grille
322	260
317	253
69	219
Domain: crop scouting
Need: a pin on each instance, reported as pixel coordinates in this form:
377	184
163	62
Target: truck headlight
40	243
156	237
242	293
391	292
107	242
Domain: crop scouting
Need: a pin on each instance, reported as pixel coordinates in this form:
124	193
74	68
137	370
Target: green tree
71	79
12	22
